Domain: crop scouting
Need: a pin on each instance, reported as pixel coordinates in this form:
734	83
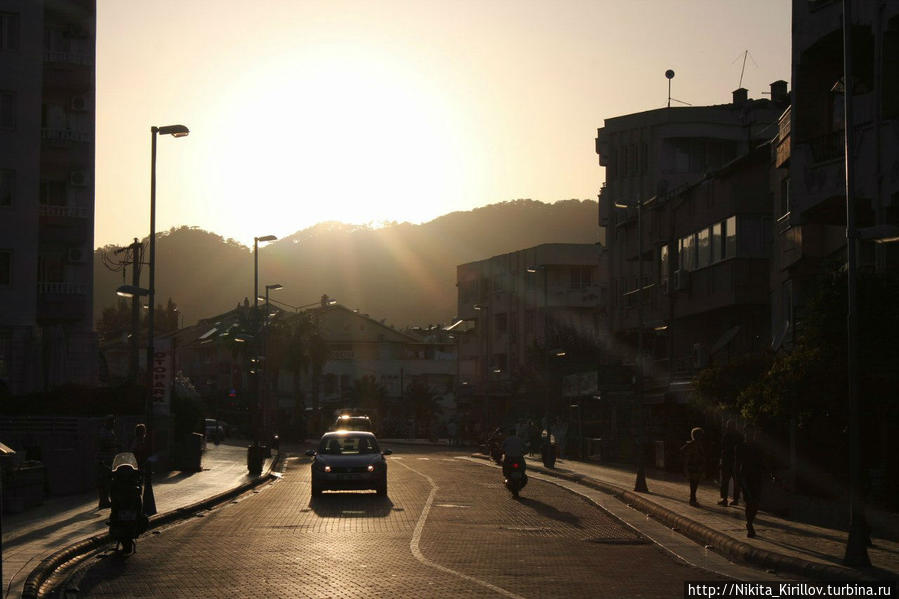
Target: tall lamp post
856	546
483	308
174	131
265	395
532	270
256	409
640	482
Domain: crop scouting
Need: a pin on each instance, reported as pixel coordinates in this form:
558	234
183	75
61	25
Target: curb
47	566
723	544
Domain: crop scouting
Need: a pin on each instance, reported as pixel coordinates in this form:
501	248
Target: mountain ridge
402	273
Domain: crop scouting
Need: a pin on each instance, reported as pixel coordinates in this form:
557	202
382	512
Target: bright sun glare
344	134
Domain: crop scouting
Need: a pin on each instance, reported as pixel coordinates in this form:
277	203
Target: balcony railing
826	147
61	288
64	57
66	135
65	211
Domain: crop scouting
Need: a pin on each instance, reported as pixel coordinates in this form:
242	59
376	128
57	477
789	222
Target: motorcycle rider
513	449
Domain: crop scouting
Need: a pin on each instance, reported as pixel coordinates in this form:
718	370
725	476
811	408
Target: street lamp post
533	269
265	395
174	131
640	482
856	546
487	366
255	322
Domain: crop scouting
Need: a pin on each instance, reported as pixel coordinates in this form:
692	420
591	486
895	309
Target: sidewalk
33	535
782	545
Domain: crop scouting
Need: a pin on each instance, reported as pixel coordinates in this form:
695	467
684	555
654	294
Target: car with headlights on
348	460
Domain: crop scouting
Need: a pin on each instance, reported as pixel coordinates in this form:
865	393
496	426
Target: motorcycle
495	447
126	516
514	475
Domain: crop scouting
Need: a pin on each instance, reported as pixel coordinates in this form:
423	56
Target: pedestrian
693	455
451	432
107	447
727	464
751	476
140	447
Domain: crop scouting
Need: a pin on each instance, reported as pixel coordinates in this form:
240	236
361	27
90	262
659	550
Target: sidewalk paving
781	544
32	535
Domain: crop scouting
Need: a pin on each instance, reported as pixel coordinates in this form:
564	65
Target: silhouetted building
535	316
810	193
47	123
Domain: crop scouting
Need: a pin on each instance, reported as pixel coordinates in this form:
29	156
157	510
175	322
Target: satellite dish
669	74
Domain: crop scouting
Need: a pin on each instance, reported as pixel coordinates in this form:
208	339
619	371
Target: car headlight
326	468
371	467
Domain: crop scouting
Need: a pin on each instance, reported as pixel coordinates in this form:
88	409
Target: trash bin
255	458
193	453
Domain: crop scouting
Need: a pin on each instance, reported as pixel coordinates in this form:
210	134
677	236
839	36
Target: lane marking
416	537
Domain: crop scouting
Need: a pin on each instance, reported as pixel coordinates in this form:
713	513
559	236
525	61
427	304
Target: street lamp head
266	238
274	286
480	306
620	205
173	130
131	291
532	269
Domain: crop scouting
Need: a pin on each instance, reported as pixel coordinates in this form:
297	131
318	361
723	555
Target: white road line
416	537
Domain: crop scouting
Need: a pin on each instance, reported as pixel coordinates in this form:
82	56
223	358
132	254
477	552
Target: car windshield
348	445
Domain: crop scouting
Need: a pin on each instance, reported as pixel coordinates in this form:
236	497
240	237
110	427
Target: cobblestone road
447	529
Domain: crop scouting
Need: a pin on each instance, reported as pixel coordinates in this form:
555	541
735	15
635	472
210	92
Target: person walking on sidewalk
751	475
728	467
694	461
107	447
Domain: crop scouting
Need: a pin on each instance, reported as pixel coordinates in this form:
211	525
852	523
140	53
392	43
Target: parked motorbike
126	515
514	475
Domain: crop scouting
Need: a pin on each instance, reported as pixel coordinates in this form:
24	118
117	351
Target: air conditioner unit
79	178
79	103
700	355
76	255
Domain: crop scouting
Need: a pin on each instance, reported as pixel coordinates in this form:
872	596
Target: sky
304	111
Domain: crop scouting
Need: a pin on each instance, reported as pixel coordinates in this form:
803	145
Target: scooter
126	515
514	476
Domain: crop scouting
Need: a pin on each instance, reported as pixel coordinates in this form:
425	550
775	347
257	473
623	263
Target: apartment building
47	88
810	196
529	312
672	197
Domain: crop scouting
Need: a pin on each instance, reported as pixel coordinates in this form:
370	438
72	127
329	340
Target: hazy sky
303	111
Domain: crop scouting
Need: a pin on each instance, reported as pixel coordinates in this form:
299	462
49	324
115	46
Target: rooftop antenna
669	74
746	55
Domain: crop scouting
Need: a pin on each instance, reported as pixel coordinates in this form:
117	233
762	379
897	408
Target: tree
422	407
115	322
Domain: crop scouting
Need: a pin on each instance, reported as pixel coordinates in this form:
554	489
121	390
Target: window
687	252
703	248
501	323
581	277
717	243
663	263
7	110
53	193
7	186
5	267
9	31
730	237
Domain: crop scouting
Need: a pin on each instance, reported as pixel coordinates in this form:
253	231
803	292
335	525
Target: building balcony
67	58
65	137
63	301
